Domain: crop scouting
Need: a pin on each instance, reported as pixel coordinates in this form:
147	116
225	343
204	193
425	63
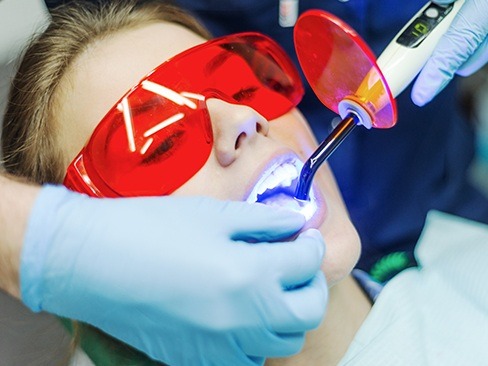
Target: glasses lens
248	69
149	145
159	135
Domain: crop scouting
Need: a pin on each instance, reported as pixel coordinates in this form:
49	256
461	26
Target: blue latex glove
462	50
173	276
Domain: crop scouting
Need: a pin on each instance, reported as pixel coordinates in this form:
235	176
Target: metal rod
325	149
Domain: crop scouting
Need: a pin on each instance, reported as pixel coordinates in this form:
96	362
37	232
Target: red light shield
338	64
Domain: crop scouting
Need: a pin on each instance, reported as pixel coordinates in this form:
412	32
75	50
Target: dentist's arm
462	50
174	277
16	201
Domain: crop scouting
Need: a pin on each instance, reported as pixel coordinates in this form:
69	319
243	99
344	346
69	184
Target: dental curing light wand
399	63
326	148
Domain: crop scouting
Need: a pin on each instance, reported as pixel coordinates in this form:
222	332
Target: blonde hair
29	143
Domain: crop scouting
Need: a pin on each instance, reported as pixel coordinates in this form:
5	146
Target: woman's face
245	144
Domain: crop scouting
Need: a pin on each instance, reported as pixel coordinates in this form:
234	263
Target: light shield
340	66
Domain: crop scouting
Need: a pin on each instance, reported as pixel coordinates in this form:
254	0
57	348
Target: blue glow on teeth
277	188
306	208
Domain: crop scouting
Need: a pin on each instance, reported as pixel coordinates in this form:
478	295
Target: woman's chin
342	250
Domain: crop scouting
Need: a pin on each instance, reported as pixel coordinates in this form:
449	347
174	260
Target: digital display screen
420	28
423	25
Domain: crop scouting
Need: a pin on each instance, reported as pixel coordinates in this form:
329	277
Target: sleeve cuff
38	237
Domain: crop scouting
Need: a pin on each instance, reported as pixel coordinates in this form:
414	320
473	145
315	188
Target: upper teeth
279	175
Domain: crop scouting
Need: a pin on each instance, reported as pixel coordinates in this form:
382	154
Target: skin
17	200
245	144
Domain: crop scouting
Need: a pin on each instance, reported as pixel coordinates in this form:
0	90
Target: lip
287	158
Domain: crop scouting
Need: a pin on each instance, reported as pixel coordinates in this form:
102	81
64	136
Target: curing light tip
326	148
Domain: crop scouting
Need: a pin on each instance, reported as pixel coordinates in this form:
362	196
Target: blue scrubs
389	178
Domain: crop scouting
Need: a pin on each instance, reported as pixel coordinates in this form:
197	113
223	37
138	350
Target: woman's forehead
114	64
108	68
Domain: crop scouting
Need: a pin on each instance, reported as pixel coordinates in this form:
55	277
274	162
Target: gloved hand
462	50
176	277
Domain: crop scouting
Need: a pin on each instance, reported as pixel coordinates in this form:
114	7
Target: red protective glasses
159	134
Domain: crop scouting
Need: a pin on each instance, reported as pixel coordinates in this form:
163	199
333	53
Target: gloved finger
476	61
466	33
264	343
303	308
443	2
257	222
298	261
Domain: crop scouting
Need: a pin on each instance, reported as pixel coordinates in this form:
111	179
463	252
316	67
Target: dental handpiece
399	63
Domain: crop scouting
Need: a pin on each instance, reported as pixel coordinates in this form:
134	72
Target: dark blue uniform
389	178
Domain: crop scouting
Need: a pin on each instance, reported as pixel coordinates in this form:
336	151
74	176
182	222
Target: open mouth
277	186
279	179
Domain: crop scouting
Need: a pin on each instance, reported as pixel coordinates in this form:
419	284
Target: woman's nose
234	126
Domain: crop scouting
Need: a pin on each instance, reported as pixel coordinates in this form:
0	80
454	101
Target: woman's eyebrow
217	61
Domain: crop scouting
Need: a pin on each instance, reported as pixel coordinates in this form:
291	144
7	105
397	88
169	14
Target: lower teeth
282	200
306	208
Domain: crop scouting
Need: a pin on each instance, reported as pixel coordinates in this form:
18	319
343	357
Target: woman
243	142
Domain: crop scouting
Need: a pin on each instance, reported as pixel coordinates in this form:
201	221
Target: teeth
291	172
276	180
262	188
273	180
282	175
306	208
